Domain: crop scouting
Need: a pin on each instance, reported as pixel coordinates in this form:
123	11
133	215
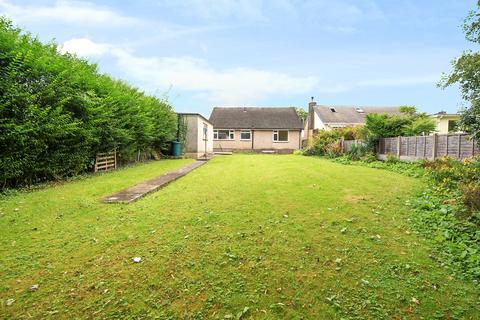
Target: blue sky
204	53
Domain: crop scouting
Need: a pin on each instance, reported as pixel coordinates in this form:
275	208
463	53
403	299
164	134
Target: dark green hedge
57	111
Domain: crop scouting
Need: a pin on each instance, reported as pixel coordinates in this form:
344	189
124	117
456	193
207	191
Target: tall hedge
57	111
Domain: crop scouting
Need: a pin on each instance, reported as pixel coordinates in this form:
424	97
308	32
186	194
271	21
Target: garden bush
460	178
408	123
327	143
57	111
360	152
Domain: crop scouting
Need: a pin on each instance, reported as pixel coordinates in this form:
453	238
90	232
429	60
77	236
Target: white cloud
84	47
230	86
227	86
72	12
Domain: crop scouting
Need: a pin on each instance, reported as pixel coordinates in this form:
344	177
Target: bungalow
328	117
275	130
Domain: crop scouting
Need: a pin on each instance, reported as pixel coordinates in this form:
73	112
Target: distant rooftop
351	114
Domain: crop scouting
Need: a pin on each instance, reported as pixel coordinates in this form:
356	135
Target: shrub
368	157
298	152
461	178
57	111
357	152
327	143
409	123
392	158
471	195
333	150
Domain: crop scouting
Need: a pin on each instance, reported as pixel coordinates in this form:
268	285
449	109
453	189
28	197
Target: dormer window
333	109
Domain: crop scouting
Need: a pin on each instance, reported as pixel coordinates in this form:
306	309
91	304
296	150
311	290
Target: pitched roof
350	114
255	118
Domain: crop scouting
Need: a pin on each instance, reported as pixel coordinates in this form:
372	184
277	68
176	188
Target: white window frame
231	134
275	136
249	134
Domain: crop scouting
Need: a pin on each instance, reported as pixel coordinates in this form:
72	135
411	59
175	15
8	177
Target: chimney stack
312	103
310	118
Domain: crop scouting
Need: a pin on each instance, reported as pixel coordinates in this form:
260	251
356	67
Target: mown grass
250	236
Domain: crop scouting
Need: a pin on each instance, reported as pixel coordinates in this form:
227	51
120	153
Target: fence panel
458	146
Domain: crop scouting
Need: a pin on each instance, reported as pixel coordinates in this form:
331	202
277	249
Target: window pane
222	134
245	135
282	135
452	126
232	135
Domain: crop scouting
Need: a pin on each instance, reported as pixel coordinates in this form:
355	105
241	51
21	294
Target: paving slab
140	190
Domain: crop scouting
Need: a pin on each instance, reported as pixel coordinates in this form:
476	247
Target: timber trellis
458	146
106	161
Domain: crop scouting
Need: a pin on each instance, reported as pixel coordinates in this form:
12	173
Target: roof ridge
254	107
256	117
354	106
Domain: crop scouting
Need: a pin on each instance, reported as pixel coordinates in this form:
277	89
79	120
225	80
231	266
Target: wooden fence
458	146
347	144
106	161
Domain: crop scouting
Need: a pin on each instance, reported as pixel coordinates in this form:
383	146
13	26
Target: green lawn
284	236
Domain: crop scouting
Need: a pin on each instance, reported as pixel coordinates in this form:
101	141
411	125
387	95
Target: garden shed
198	142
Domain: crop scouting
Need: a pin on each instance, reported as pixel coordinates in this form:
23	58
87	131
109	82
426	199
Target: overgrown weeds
327	143
448	211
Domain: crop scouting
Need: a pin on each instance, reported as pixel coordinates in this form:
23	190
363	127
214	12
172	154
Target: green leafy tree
419	125
57	112
409	123
466	73
408	110
302	114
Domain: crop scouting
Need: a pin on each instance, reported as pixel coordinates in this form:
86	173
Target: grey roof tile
255	118
351	114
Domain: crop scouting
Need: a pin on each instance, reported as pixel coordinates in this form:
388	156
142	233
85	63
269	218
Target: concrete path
140	190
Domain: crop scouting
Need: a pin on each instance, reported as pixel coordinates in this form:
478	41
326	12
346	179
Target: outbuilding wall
195	142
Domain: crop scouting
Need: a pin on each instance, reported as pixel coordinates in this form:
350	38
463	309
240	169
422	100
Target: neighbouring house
328	117
198	135
446	122
272	130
